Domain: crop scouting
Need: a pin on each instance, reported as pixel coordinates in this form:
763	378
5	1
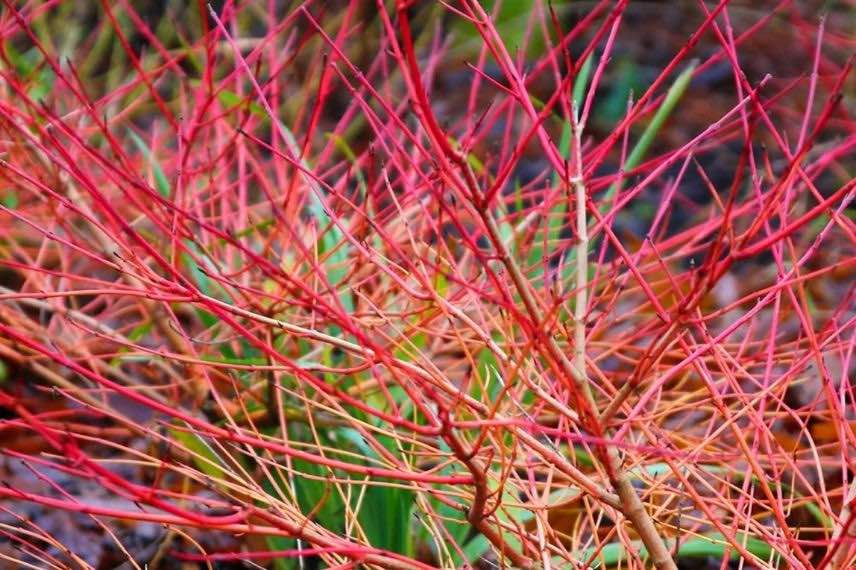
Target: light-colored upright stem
633	508
581	300
630	504
844	556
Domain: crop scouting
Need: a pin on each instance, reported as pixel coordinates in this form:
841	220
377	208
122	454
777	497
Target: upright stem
630	503
840	549
633	508
581	300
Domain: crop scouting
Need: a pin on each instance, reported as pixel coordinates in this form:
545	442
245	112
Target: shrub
430	285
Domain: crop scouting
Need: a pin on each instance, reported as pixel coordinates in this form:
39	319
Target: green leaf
613	104
340	143
251	361
641	147
204	456
208	319
161	181
385	513
281	542
232	99
460	530
202	280
386	516
10	199
555	218
511	24
315	493
490	381
332	241
475	548
663	469
276	543
478	546
474	162
30	68
42	85
580	84
252	228
136	334
319	495
713	544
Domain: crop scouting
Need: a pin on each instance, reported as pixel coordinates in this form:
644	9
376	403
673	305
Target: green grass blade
161	181
232	99
204	456
580	84
713	544
663	469
9	199
640	149
556	217
333	239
